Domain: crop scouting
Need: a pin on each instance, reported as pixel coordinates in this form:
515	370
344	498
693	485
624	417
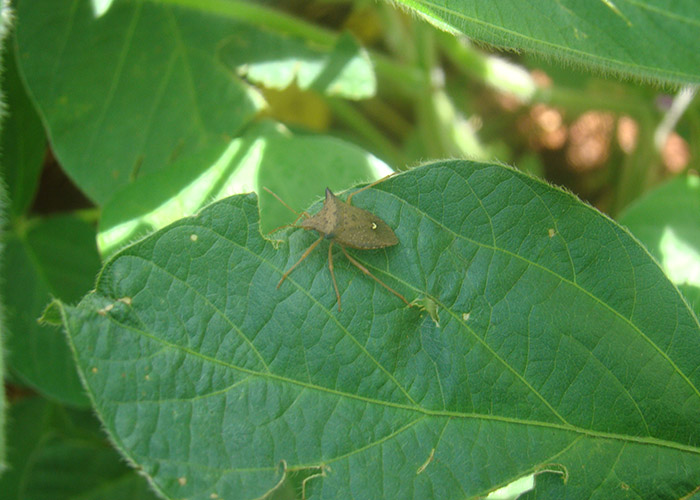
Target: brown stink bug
347	226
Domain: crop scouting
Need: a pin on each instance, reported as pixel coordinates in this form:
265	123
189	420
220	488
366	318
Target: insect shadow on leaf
346	226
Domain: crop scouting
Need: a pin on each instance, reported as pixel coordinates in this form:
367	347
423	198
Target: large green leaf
58	454
667	221
266	155
148	84
645	39
558	345
129	92
51	257
22	142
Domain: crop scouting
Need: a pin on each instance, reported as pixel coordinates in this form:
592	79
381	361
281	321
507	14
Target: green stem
571	100
641	167
364	128
261	15
428	125
493	71
445	130
387	117
693	118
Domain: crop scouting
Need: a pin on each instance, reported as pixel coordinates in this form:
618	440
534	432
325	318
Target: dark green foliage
543	347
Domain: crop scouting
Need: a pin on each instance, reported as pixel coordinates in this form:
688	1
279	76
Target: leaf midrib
424	412
444	413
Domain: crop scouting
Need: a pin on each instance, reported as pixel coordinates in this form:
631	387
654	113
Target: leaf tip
53	314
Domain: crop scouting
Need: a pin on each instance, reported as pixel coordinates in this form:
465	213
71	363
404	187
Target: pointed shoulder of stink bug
326	220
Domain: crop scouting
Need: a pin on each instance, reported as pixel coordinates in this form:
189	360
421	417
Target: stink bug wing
359	228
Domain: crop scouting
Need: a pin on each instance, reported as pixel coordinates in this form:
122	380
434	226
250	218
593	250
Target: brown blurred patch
676	153
14	393
57	192
627	134
589	140
544	127
541	78
508	102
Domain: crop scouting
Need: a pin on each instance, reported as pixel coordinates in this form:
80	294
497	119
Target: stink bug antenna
299	215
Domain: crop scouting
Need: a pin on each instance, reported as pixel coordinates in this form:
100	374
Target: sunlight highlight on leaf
268	154
680	260
99	7
613	7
